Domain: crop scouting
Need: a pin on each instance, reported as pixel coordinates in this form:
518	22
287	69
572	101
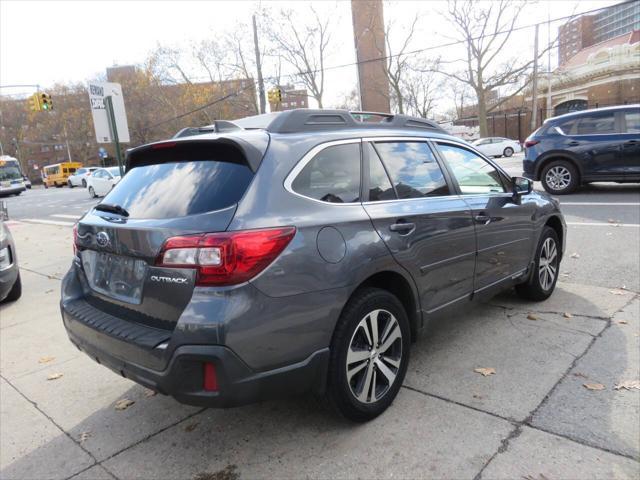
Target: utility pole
549	102
66	140
534	88
263	102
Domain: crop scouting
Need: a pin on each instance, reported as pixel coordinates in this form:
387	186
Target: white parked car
100	182
79	178
497	146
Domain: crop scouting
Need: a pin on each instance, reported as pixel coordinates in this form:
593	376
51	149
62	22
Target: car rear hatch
171	189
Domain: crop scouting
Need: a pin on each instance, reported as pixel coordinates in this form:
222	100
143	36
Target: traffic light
34	103
45	102
275	95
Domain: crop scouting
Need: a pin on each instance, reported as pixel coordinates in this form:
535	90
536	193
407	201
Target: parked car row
497	146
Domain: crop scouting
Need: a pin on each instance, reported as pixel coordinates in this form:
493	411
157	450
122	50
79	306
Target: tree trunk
482	114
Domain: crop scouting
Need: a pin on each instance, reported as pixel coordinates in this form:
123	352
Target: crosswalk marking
48	222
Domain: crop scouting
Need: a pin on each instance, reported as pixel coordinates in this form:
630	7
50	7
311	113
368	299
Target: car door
97	181
503	222
106	181
595	140
428	229
630	149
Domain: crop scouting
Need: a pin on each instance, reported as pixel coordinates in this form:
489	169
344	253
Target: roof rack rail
312	120
217	127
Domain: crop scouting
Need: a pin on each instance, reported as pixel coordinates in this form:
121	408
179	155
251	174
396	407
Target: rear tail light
210	380
226	258
531	143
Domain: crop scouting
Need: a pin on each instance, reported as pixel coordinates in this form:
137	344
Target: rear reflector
158	146
226	258
210	383
531	143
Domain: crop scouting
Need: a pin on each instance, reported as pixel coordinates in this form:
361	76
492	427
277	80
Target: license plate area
115	276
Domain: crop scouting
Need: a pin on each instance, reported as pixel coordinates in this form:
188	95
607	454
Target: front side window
413	169
380	187
332	176
474	174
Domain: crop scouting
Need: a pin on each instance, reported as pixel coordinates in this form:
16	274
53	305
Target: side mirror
521	185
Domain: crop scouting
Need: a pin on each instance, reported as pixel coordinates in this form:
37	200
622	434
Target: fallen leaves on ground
54	376
84	436
485	372
622	322
46	359
531	316
230	472
539	477
123	404
617	292
575	255
567	315
593	386
479	397
49	291
191	427
578	374
149	393
628	385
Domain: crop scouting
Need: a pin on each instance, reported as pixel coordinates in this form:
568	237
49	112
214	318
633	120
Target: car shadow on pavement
540	369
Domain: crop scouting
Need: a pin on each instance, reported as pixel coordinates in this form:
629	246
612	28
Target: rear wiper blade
107	207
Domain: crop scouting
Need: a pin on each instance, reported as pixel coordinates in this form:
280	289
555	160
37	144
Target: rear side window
333	175
632	120
596	123
184	181
413	169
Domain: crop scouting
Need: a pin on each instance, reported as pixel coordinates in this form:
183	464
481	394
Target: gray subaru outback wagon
298	251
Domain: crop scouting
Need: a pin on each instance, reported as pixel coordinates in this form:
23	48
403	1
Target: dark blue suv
589	146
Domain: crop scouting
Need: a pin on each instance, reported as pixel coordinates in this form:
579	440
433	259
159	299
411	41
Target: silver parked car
10	283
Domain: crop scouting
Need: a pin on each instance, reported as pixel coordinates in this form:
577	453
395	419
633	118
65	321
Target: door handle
631	143
574	144
403	228
482	218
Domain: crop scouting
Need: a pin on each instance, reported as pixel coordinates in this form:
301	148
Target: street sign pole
108	103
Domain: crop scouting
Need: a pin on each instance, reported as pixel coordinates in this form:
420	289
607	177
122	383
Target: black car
296	251
600	145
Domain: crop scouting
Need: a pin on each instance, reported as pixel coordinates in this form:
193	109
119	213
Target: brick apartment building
292	98
588	30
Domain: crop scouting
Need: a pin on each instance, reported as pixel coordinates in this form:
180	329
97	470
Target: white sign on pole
97	93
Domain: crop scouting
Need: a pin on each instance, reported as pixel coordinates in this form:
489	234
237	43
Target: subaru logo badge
102	239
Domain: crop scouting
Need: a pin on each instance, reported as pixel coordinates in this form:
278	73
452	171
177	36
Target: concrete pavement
532	419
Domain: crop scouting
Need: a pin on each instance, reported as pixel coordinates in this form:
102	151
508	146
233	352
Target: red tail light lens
226	258
210	381
531	143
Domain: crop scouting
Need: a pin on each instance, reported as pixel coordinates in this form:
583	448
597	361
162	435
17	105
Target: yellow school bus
56	175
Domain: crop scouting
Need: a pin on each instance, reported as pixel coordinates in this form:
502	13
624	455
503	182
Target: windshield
115	171
9	172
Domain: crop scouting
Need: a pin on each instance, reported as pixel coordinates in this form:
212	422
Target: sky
81	38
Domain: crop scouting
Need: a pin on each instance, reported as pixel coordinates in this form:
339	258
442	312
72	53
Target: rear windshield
183	182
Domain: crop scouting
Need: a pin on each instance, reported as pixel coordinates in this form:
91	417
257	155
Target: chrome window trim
307	157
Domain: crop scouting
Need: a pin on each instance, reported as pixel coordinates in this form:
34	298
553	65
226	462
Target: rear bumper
183	374
12	190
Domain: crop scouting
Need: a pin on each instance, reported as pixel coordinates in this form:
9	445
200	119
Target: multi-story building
588	30
291	98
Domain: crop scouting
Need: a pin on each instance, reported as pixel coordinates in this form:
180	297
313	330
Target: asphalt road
603	219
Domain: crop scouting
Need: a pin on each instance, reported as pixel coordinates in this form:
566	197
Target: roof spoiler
218	126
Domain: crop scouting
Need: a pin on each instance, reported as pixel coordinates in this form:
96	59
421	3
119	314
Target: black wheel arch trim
551	156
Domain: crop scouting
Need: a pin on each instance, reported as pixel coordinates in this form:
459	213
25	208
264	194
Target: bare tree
486	29
421	89
461	93
303	45
397	62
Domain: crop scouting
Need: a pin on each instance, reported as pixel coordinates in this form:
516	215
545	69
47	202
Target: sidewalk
532	419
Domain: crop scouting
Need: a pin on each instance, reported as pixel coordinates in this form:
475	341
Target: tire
508	152
560	177
92	192
540	286
70	184
84	183
354	328
17	194
16	291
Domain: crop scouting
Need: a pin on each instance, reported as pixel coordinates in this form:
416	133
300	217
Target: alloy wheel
558	177
548	264
374	356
